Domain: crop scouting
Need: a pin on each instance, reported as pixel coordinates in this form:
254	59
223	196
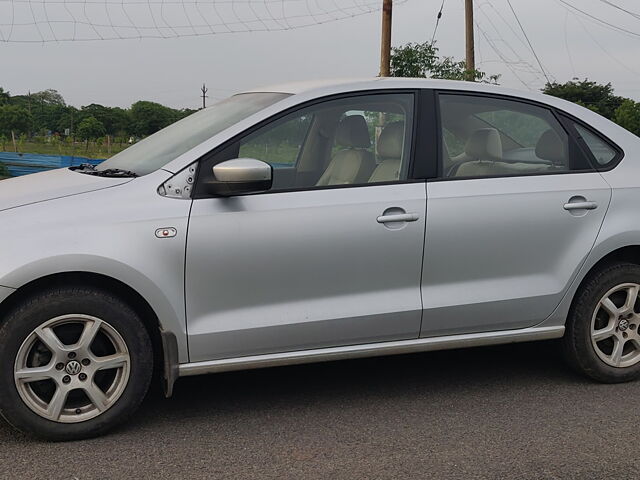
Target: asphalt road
499	413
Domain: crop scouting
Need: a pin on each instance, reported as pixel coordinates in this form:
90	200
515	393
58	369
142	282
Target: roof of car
350	84
333	86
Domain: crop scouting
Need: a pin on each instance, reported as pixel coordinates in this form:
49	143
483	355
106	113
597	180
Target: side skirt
371	350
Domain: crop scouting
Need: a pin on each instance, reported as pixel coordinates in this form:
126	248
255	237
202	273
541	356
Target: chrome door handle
403	217
580	206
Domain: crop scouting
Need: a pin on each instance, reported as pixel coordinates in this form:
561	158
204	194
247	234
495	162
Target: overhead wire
529	42
501	55
438	17
599	20
517	65
618	7
606	52
566	42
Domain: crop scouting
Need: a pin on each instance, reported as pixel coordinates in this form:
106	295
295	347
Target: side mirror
241	175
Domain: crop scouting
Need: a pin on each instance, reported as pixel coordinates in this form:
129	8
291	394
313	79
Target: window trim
415	92
556	113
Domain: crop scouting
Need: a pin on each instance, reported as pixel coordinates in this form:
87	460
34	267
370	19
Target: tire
601	338
83	341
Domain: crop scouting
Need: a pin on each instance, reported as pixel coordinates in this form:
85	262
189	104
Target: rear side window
489	137
603	153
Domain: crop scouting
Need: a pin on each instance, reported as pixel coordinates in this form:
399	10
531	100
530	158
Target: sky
171	71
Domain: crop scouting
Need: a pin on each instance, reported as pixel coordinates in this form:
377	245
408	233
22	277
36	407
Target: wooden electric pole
204	96
385	50
469	40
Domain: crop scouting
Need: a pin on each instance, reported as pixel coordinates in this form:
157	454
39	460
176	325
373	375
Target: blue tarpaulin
25	163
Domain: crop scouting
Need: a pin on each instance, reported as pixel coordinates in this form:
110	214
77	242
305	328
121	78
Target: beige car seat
390	145
353	164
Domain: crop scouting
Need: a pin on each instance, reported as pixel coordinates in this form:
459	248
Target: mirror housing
239	176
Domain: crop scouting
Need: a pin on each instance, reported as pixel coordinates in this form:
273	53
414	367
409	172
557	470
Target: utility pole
470	43
204	95
385	50
30	117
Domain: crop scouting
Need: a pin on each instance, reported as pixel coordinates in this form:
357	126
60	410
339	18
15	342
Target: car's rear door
514	213
306	266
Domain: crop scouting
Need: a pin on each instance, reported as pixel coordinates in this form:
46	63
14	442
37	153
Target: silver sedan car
313	222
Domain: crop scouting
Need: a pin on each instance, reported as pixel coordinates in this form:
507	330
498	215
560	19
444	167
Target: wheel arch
164	347
628	253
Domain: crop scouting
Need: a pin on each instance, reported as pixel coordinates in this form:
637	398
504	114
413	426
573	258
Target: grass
79	149
279	153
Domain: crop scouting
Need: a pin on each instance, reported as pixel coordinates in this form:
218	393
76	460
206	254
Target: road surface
497	413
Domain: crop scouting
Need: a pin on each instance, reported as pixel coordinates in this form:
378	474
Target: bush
4	172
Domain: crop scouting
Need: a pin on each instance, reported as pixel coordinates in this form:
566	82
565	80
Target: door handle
402	217
580	206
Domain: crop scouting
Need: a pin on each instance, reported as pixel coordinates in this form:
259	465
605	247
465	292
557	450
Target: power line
439	16
528	41
204	95
566	42
501	56
618	7
501	39
603	22
606	52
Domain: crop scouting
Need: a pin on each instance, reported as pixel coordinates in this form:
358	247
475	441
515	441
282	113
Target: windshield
155	151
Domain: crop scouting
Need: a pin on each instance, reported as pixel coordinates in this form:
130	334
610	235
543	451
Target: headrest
353	132
551	147
391	140
484	144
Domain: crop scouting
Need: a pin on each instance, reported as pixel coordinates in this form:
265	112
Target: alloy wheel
72	368
614	326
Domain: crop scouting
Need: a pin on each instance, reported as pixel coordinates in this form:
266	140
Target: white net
83	20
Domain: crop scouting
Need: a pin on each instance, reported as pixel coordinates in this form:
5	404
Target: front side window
155	151
279	145
359	140
488	137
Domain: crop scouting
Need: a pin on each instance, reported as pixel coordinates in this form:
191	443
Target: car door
331	255
511	218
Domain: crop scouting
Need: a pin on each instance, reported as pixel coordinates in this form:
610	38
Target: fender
171	319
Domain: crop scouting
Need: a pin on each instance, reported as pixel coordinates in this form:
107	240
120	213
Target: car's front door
511	219
332	255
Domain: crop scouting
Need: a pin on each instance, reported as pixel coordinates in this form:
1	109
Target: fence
25	163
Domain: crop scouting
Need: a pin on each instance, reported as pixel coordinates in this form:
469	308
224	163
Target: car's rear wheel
74	363
602	338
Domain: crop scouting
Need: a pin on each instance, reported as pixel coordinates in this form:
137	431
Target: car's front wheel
602	338
74	362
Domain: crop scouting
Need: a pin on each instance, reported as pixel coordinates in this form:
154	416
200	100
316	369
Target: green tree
14	119
48	97
90	129
149	117
114	119
597	97
628	116
422	60
4	97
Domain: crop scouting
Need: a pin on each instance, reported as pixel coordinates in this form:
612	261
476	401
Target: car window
599	148
351	141
522	128
488	137
279	145
157	150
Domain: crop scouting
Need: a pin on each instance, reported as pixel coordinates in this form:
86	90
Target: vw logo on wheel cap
73	367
